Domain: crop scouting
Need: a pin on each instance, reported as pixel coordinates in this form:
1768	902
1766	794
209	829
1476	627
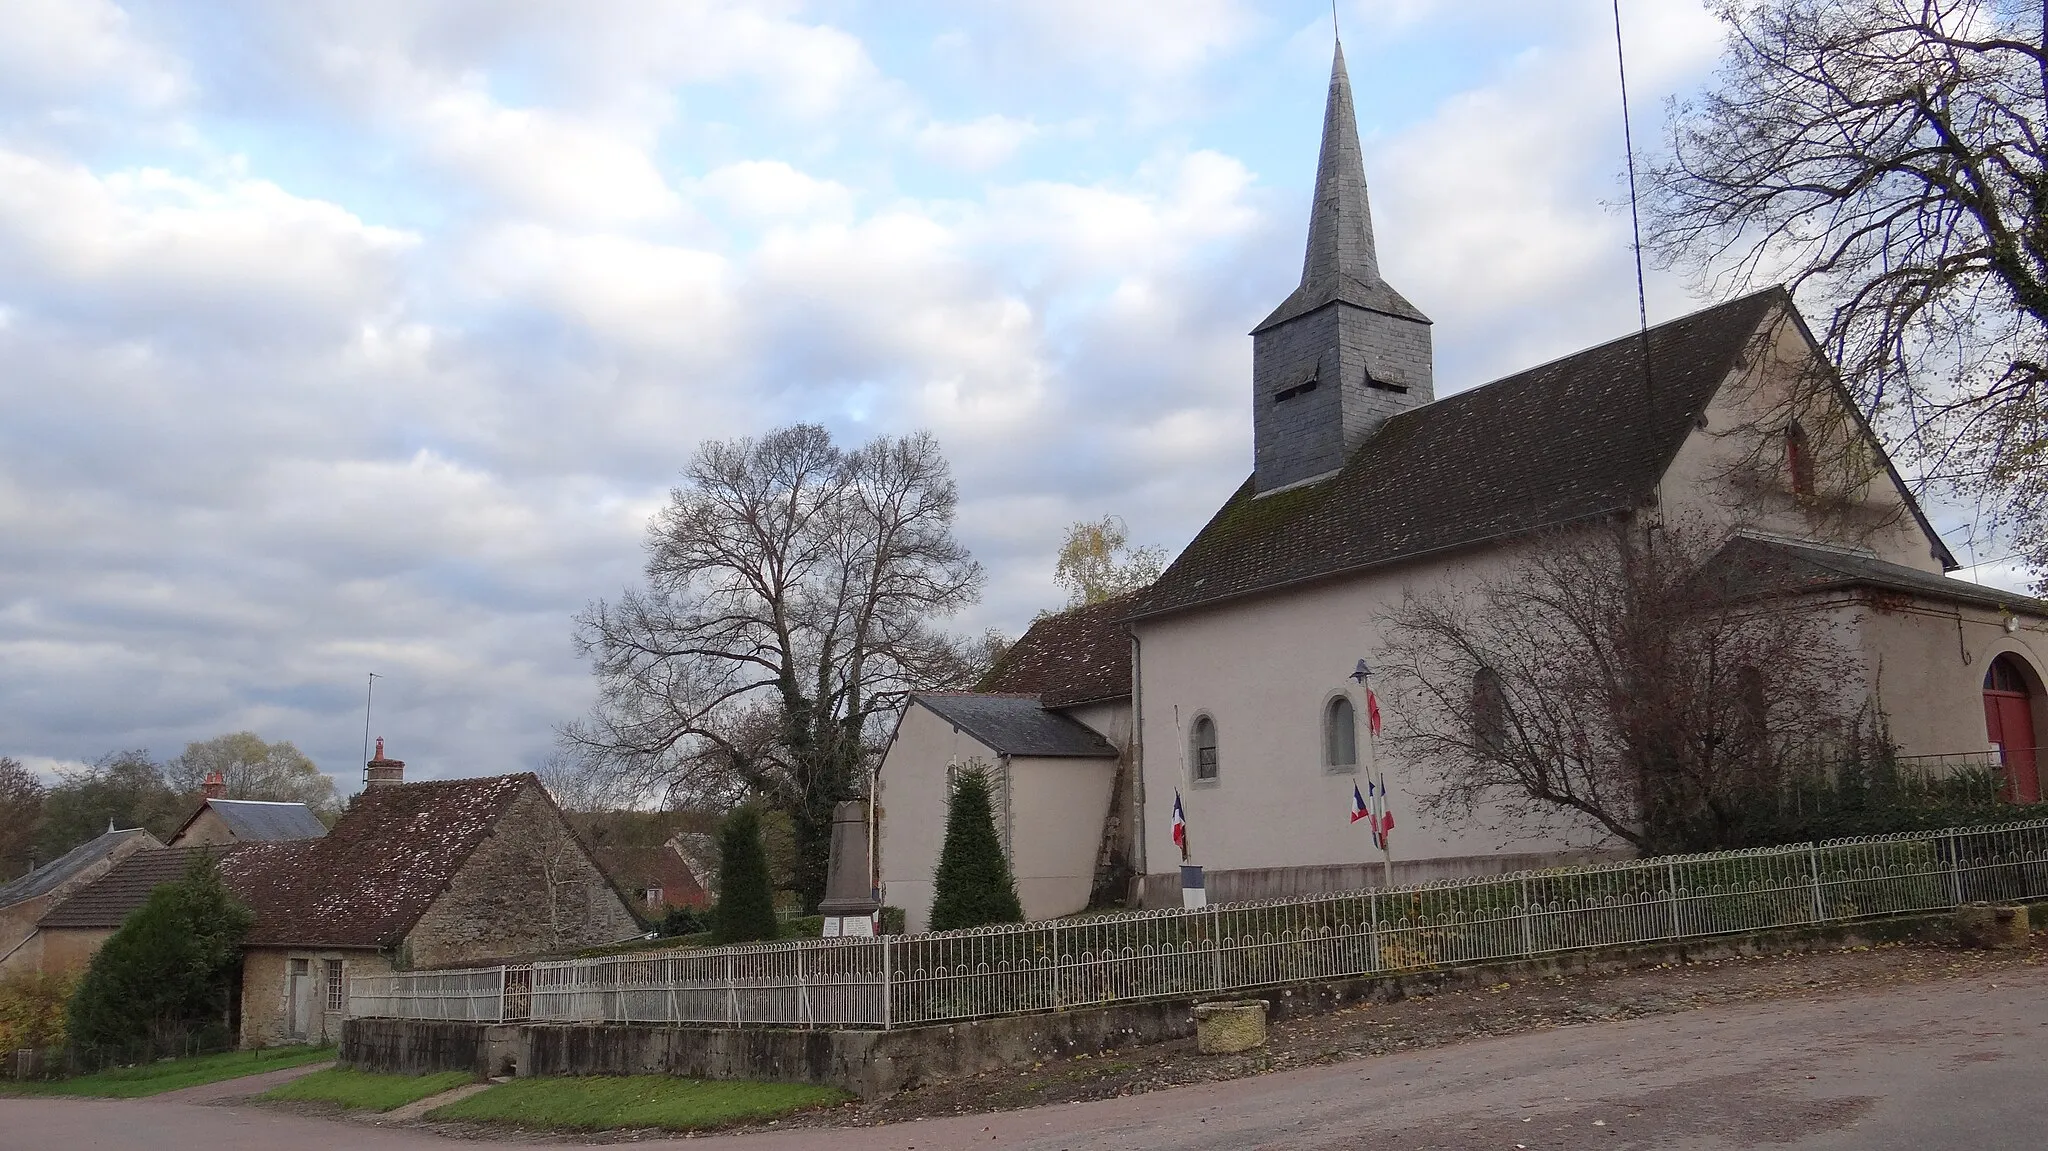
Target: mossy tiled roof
1558	443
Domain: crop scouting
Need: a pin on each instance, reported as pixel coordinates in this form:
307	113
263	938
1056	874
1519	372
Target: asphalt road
1957	1063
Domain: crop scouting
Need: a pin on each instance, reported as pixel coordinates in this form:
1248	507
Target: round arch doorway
2009	721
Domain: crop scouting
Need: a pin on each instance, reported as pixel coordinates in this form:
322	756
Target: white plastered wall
1732	473
1051	817
1264	668
1057	806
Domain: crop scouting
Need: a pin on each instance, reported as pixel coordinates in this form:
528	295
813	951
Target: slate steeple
1344	351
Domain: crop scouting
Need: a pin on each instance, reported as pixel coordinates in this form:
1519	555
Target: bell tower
1344	351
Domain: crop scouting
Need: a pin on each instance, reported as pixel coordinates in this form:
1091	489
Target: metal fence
896	981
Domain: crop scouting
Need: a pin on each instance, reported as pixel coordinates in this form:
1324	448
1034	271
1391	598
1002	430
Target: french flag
1180	826
1378	817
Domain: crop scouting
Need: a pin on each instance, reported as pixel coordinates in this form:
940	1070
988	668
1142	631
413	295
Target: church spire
1343	351
1340	225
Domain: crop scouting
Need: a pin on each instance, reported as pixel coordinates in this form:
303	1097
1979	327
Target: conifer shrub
746	896
973	885
161	984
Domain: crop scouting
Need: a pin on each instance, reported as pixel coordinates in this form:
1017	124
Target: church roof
1565	441
1341	263
1017	725
1750	566
1077	656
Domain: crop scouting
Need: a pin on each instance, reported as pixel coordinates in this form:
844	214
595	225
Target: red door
2009	720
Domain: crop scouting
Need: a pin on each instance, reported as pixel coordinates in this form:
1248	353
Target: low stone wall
875	1063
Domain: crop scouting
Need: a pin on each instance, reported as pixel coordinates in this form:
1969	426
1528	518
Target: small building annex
1051	730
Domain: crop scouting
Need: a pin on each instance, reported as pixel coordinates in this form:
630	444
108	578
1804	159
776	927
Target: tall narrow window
337	990
1799	459
1489	711
1202	750
1340	735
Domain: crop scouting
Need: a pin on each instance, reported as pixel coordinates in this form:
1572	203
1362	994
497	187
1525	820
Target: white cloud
152	247
540	162
67	50
1494	213
774	190
975	145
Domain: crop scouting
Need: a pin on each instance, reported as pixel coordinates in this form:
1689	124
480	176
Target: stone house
1366	488
26	900
218	821
653	880
443	873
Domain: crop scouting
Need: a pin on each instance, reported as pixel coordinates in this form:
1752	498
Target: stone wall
875	1063
528	889
266	993
206	830
70	948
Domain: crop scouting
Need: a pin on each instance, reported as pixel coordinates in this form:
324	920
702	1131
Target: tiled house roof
368	881
364	884
1751	566
106	902
635	869
1017	725
1077	656
1562	442
58	871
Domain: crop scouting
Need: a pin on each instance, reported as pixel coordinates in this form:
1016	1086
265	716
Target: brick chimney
381	772
216	786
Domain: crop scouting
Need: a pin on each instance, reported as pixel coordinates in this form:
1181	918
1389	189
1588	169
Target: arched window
1340	735
1202	750
1489	710
1799	459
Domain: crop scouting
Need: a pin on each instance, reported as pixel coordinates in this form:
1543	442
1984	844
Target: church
1223	701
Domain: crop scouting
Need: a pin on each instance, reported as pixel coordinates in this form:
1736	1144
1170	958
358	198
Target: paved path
1954	1064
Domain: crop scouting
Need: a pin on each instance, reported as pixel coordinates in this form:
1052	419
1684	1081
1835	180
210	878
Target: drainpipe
1137	773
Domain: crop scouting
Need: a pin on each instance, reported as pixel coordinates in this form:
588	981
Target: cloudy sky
343	336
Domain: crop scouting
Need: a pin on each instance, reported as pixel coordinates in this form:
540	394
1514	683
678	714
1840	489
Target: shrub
681	921
32	1009
167	974
973	885
746	898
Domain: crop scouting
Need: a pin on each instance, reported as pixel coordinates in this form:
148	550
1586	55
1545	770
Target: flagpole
1372	765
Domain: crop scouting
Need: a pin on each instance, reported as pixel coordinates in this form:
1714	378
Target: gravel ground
1433	1021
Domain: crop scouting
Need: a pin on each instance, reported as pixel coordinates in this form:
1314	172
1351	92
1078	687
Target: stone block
1230	1026
1990	926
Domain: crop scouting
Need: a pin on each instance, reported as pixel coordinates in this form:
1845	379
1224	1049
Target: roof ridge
1589	349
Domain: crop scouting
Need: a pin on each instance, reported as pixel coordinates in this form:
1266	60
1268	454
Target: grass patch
367	1090
172	1074
599	1103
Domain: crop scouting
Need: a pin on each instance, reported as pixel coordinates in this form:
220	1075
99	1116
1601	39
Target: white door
299	997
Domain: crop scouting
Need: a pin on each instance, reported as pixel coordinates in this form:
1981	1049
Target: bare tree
1097	562
1886	157
791	595
1610	683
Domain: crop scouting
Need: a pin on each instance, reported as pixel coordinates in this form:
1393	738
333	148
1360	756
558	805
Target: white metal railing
895	981
476	996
